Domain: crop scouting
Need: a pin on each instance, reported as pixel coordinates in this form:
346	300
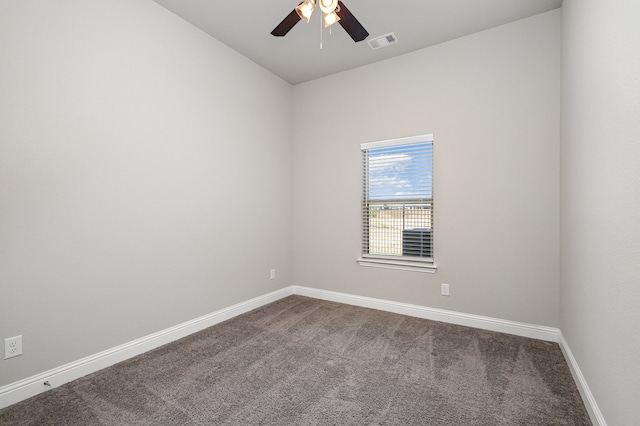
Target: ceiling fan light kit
305	9
328	6
330	19
334	11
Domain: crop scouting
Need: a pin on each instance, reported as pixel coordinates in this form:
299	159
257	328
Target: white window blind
397	203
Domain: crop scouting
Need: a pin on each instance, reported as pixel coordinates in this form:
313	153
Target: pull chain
320	31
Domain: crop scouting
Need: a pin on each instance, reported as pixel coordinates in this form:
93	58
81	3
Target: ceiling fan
334	11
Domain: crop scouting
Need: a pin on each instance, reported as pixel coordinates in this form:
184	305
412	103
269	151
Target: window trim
404	263
379	261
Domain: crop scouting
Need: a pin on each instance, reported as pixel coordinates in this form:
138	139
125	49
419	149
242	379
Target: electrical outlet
12	347
272	275
444	289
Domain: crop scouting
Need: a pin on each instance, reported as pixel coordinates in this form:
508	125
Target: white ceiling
245	26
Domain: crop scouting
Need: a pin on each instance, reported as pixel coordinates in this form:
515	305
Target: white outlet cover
444	289
12	347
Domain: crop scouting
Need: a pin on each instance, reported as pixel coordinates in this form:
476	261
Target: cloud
389	181
395	162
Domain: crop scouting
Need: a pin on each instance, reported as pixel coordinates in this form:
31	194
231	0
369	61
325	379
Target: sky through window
402	172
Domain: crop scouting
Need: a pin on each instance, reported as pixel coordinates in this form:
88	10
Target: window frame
407	263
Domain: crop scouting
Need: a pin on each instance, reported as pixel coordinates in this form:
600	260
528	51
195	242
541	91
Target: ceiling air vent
383	41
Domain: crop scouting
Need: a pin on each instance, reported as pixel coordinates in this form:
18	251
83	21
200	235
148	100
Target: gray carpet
302	361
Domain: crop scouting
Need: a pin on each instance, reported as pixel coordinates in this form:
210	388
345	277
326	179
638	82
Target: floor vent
383	41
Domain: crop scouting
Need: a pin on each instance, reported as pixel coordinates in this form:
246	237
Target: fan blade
350	24
287	23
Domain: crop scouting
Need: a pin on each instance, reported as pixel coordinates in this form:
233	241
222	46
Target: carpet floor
302	361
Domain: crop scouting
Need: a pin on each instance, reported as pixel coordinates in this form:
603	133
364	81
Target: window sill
403	265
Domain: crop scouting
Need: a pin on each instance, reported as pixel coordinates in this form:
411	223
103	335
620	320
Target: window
397	204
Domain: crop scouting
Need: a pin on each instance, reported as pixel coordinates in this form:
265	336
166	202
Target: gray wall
600	208
492	102
134	196
144	177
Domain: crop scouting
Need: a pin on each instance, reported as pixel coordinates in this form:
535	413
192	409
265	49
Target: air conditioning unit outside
417	242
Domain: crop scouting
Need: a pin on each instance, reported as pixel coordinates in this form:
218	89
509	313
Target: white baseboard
587	397
476	321
34	385
23	389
